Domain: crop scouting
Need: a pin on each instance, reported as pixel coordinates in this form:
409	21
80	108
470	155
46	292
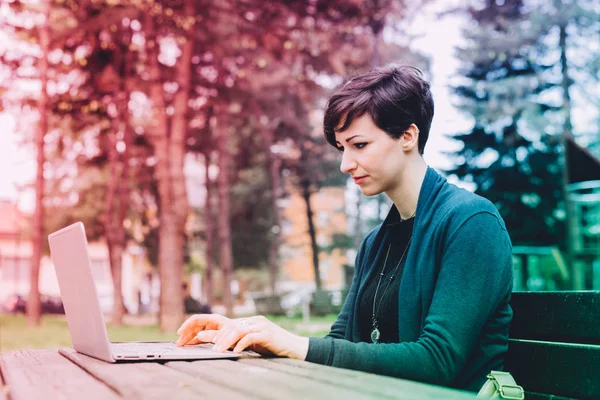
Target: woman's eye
360	145
340	149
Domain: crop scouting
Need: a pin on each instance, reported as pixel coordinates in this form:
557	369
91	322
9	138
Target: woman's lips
359	179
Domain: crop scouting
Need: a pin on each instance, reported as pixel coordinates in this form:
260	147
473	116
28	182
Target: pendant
375	335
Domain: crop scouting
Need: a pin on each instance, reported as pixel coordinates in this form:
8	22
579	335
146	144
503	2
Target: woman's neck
406	195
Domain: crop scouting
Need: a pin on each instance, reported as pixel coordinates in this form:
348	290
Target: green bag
501	385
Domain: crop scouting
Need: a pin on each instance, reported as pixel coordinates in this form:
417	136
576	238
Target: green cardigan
453	304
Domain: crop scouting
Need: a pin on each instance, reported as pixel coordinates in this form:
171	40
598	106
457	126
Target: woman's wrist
298	348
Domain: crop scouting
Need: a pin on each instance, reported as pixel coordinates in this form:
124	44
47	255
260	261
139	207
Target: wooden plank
572	317
44	374
566	370
148	380
375	381
265	383
359	382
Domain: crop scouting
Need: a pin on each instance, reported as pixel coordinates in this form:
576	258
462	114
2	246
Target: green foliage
251	218
512	89
259	63
340	241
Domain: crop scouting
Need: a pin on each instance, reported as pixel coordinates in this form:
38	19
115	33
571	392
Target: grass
54	332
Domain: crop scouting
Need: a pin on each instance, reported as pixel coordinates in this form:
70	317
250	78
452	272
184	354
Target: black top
398	234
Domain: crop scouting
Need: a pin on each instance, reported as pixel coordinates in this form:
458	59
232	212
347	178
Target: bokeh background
187	136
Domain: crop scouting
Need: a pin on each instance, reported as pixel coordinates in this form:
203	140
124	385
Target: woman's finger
248	340
196	323
188	322
193	341
206	336
202	321
223	335
228	339
232	333
223	331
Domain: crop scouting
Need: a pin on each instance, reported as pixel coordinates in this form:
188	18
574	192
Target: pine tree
512	152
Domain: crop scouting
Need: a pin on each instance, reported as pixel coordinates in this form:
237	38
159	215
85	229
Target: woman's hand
257	333
198	323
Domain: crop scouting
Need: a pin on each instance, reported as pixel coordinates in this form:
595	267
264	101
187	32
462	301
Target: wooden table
65	374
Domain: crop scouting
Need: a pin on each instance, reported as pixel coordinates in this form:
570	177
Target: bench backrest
268	305
322	301
554	344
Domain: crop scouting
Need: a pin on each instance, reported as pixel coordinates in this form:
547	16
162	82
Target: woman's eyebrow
349	139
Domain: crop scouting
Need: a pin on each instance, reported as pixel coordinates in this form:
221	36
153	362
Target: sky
439	37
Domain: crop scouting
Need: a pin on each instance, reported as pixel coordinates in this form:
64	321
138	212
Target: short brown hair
394	96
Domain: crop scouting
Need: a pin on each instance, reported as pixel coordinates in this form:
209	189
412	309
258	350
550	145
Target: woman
430	296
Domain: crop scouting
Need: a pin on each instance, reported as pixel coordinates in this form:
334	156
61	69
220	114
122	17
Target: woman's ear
410	138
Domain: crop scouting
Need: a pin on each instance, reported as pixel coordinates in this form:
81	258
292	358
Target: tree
509	153
571	19
102	99
223	221
274	50
274	167
169	147
209	228
33	300
238	55
117	194
520	72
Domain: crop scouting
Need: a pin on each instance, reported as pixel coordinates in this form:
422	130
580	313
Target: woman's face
373	158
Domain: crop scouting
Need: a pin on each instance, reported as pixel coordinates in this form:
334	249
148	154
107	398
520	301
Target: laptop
69	251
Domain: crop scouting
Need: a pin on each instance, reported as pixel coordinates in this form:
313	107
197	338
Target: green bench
554	344
324	302
268	305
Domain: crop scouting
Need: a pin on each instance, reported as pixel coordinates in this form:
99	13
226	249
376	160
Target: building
140	285
295	252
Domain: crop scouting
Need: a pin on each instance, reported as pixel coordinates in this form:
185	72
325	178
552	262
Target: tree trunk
577	273
33	300
209	228
274	165
223	220
305	184
115	252
170	156
118	185
124	189
112	226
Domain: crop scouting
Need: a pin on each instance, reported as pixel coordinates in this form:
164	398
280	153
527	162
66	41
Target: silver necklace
375	333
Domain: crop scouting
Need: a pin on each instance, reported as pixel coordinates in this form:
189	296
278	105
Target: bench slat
539	396
274	385
142	380
45	374
571	317
376	386
559	369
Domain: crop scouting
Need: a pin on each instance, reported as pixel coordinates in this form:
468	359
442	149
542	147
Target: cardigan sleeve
475	275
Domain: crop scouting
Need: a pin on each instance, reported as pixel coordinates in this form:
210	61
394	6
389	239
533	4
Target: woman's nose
348	164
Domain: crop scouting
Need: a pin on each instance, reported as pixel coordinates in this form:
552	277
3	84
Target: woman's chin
369	191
